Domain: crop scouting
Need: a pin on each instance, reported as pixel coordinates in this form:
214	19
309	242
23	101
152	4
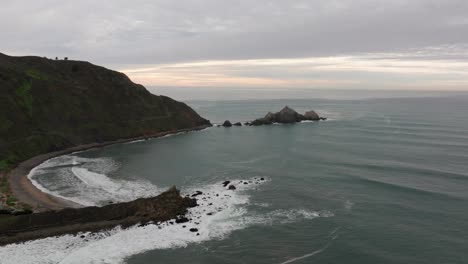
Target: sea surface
382	181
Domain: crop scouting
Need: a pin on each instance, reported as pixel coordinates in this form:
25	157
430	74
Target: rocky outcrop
311	115
166	206
227	123
237	124
286	116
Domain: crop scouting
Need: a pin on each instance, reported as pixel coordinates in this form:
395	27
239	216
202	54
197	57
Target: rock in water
288	115
232	187
260	121
227	123
237	124
311	115
181	220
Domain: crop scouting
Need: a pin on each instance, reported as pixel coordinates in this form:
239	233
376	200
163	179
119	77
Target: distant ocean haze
243	93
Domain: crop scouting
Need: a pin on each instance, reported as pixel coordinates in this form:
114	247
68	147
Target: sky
246	44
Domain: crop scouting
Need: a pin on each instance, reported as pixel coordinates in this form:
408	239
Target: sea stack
287	115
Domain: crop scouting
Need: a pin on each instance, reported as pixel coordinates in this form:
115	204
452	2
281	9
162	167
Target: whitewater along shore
166	206
24	191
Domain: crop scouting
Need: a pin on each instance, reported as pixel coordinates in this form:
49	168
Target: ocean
381	181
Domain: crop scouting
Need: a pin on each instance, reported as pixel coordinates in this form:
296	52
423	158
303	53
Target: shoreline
26	192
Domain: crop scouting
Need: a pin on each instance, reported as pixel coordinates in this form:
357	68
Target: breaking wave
220	212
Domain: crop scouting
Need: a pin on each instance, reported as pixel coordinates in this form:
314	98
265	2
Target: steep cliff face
47	105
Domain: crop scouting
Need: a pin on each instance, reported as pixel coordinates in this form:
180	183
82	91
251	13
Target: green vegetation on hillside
25	97
48	105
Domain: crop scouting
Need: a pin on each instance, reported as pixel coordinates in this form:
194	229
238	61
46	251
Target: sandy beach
23	189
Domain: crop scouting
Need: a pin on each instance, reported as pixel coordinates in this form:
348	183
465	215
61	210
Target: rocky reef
286	116
166	206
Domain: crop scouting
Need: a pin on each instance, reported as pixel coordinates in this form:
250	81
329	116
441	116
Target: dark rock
262	179
197	193
227	123
193	229
311	115
237	124
323	118
246	183
164	207
232	187
286	116
226	183
21	212
6	211
260	122
181	220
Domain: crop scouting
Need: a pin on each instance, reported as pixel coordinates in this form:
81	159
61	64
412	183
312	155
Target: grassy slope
48	105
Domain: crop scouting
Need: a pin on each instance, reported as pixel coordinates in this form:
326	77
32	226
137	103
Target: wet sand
24	191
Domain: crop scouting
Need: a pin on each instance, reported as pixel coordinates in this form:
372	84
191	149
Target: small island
287	115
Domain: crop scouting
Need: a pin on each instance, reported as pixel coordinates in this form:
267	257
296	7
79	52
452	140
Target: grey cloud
121	32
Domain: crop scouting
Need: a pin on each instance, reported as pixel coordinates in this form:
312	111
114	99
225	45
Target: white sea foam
84	181
220	212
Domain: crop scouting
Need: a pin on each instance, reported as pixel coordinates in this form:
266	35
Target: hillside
48	105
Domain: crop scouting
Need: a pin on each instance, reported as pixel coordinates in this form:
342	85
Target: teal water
383	181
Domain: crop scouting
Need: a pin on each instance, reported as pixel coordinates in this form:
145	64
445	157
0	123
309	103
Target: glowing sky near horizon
342	44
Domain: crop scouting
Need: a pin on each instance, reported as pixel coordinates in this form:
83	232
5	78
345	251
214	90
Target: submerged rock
232	187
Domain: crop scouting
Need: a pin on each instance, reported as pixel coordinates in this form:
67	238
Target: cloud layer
241	43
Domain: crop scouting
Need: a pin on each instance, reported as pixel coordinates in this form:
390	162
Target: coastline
26	192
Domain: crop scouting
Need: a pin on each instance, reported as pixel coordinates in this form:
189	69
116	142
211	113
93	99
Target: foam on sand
84	181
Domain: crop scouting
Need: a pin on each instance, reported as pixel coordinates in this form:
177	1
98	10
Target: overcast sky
381	44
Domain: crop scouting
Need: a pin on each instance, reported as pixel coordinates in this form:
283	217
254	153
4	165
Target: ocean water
382	181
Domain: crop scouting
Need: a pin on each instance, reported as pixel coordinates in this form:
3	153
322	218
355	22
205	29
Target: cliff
48	105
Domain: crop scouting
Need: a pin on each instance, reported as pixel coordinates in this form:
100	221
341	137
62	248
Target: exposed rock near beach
166	206
286	116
